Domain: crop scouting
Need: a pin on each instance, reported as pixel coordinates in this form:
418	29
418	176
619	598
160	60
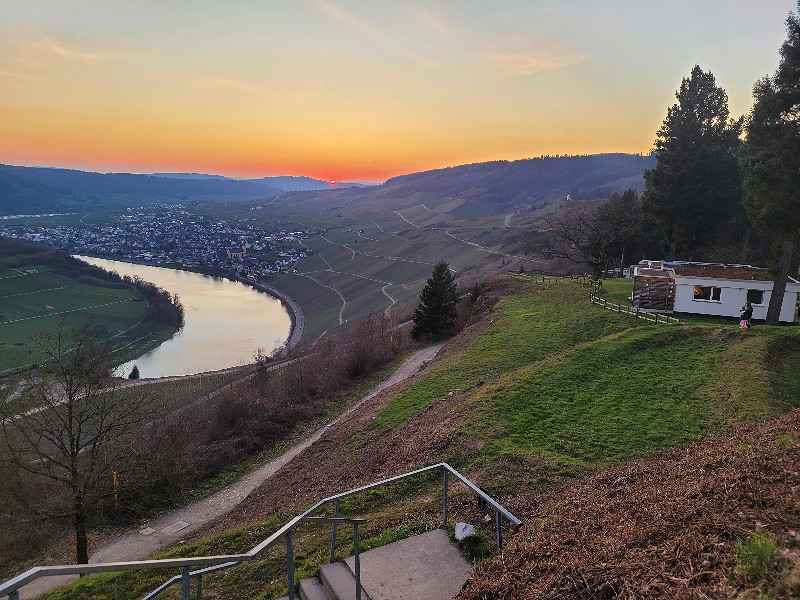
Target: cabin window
755	296
702	292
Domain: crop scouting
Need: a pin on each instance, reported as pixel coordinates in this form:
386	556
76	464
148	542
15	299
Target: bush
759	560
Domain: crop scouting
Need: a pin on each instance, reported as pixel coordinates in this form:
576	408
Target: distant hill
479	190
33	190
463	192
286	183
530	180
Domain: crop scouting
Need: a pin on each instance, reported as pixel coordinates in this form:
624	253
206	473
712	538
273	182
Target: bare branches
81	425
589	232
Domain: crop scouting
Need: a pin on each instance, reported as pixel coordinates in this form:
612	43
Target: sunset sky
358	90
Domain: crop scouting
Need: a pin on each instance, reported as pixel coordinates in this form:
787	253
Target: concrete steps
335	582
339	581
313	589
424	566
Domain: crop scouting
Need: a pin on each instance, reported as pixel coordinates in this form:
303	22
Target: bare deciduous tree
78	433
591	233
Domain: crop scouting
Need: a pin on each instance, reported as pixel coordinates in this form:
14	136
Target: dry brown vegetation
666	527
172	453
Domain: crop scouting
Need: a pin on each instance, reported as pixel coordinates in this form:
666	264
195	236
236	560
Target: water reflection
226	321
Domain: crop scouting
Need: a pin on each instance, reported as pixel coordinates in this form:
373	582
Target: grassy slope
523	328
541	386
25	317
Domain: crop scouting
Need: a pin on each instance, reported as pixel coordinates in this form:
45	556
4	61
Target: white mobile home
708	289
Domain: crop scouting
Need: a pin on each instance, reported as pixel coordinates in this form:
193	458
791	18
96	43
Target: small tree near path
436	315
79	432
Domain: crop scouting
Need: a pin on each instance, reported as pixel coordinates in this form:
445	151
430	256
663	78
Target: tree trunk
673	247
597	270
81	541
779	287
745	245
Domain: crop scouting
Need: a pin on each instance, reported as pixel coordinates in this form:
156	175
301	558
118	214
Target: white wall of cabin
733	295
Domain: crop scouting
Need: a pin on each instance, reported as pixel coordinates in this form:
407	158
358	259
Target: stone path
141	543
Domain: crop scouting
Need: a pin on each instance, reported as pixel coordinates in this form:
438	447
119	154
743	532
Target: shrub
759	559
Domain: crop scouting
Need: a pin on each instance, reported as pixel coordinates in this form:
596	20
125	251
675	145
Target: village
170	235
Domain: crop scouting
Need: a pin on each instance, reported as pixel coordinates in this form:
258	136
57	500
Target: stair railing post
186	583
499	531
290	563
444	501
333	535
199	587
357	560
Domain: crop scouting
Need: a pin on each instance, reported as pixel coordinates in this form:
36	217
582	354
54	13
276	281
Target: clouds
51	46
39	58
434	24
519	54
520	64
346	18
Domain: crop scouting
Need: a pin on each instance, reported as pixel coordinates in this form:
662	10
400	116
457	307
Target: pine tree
771	161
134	373
695	191
435	316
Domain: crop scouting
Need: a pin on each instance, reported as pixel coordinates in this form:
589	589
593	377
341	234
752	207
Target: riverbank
227	321
292	307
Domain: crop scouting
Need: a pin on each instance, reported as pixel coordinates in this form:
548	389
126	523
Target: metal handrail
215	563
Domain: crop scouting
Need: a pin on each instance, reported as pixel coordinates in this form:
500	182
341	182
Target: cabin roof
719	271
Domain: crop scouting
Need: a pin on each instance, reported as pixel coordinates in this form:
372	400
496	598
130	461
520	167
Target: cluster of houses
708	289
170	234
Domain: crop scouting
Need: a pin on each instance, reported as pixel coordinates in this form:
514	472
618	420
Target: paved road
141	543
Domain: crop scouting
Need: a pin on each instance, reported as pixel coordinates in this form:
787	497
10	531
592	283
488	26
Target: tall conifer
436	315
771	161
694	193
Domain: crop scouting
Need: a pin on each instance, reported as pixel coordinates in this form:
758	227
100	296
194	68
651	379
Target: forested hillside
29	190
531	180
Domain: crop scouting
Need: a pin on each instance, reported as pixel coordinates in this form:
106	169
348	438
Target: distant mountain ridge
439	197
528	180
288	183
33	190
463	192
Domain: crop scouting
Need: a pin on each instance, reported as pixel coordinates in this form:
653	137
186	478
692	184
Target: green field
34	304
567	382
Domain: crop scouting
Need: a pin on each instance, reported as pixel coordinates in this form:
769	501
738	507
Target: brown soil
665	527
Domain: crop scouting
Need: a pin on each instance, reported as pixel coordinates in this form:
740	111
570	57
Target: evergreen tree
134	373
436	315
694	193
771	161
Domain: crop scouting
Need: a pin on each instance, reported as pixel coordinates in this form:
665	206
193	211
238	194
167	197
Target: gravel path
141	543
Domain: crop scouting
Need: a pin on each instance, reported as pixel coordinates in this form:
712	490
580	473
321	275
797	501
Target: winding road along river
226	322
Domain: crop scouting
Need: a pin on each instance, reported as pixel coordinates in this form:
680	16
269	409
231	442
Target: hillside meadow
540	391
33	304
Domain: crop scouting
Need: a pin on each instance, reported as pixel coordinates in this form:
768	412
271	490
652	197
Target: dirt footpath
177	525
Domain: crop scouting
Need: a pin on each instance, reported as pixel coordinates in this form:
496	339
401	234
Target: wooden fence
649	317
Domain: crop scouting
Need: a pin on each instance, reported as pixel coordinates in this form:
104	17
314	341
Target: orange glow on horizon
366	93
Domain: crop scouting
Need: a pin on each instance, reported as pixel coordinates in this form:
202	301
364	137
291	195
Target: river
226	322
